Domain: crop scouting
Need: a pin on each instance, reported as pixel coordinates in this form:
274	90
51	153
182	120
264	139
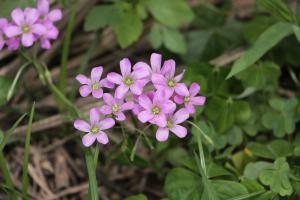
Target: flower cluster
30	25
155	94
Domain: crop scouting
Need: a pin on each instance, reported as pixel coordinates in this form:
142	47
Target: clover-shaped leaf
282	118
277	177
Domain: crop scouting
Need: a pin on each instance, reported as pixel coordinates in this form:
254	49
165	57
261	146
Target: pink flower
51	34
154	111
190	99
169	82
173	120
133	81
47	16
155	61
25	25
93	85
137	108
115	106
95	128
12	43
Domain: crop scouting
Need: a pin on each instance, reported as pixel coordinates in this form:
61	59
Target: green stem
93	185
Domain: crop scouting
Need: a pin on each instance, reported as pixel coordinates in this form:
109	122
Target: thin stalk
96	155
25	180
208	139
65	54
7	177
93	185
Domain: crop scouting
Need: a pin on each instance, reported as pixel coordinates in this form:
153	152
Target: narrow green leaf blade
264	43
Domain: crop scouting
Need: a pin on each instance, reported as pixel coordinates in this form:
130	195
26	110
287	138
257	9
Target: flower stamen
25	29
128	81
187	99
95	129
171	83
115	108
156	110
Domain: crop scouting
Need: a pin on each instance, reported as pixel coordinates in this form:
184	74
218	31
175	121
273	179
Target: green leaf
1	136
137	197
25	180
234	136
6	6
268	39
253	169
277	8
272	150
263	75
98	17
277	177
228	189
282	118
5	85
170	12
296	30
155	36
242	111
174	41
127	26
182	184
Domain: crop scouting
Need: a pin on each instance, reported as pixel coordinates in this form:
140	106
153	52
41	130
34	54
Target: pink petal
194	89
121	91
43	6
145	102
127	106
120	116
55	15
168	68
140	74
108	99
180	116
200	100
141	66
83	79
88	139
190	108
85	90
137	109
107	84
31	15
145	116
160	96
12	31
158	79
45	44
82	125
178	99
94	116
96	74
52	33
13	43
27	39
2	43
102	138
137	88
181	89
38	29
18	16
160	120
115	78
97	93
107	123
168	107
106	110
155	61
125	66
179	131
179	77
3	23
162	134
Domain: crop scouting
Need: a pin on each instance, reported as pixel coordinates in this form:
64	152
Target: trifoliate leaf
174	41
277	177
155	36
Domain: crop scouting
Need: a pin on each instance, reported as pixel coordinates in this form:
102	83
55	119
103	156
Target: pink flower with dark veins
94	84
169	82
154	111
94	129
173	121
134	81
115	106
190	99
25	25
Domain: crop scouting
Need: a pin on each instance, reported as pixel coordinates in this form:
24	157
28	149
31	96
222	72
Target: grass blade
25	181
7	177
207	138
13	86
11	131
